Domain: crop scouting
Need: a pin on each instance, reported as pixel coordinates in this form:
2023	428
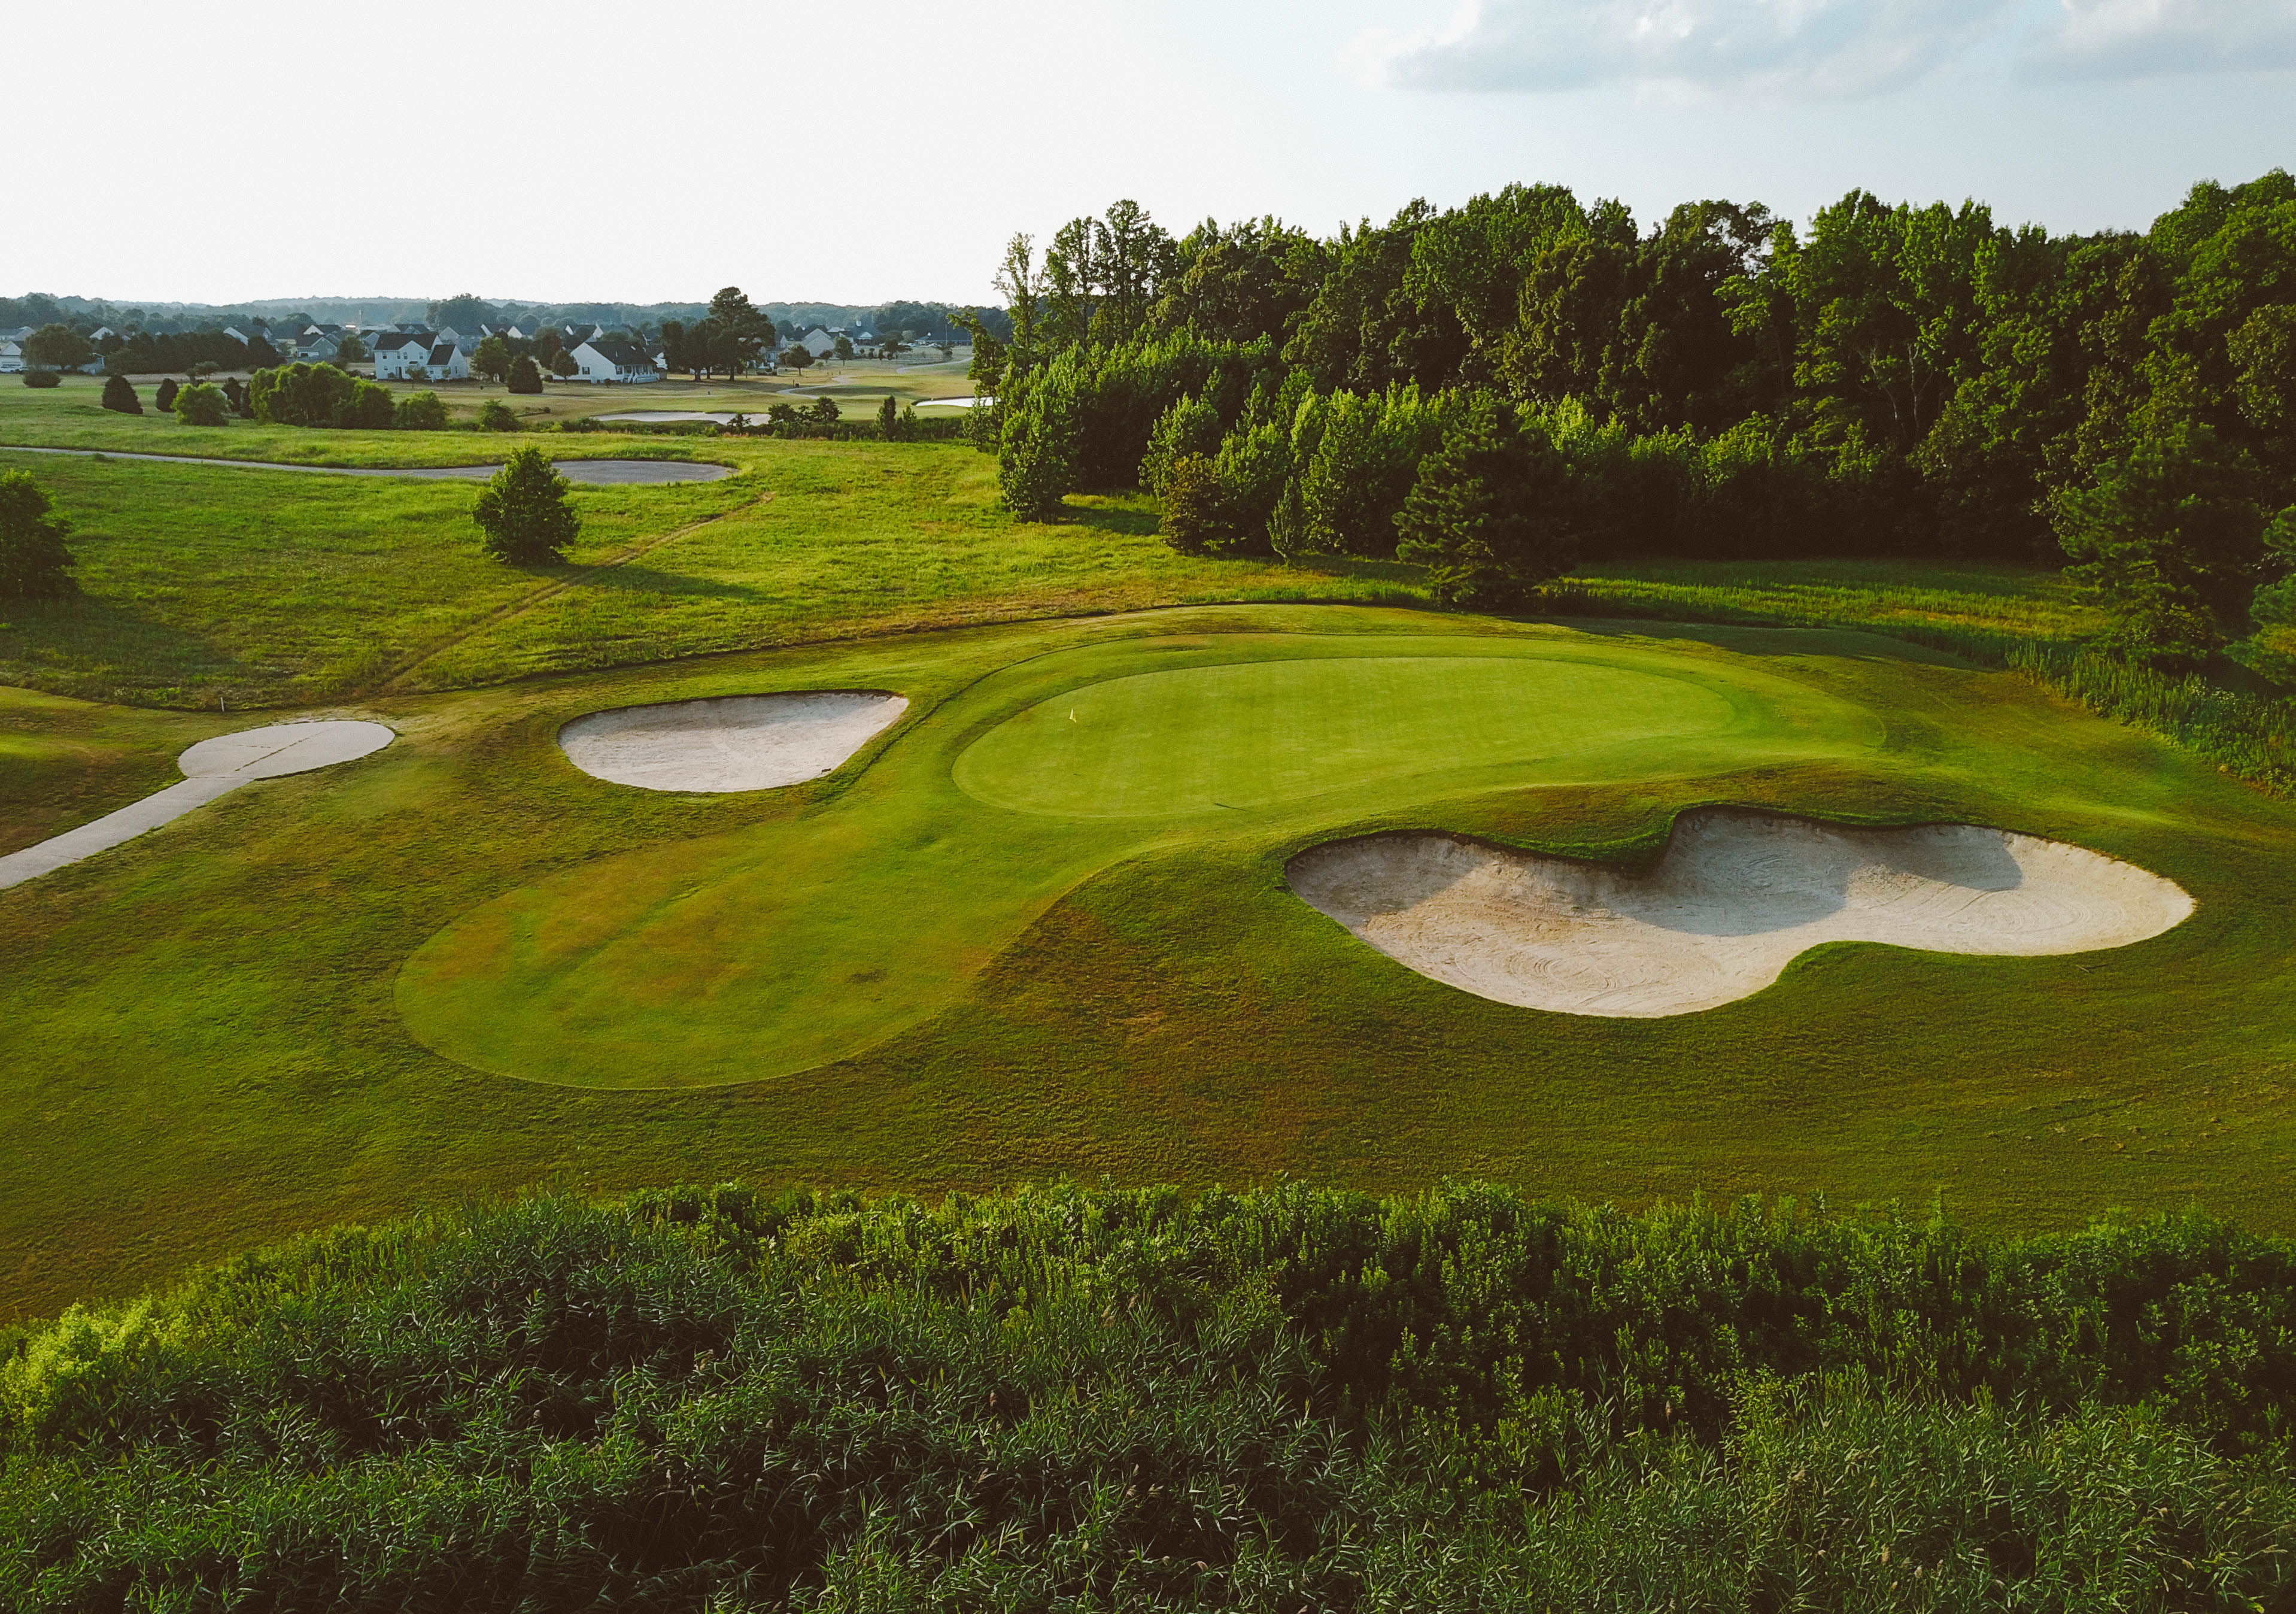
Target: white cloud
1807	48
2145	38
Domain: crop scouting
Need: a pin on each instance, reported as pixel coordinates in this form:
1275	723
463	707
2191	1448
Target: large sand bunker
212	767
740	741
1737	896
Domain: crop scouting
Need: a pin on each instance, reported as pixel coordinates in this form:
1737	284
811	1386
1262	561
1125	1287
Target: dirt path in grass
394	682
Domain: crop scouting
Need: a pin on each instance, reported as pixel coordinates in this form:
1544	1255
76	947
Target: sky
875	149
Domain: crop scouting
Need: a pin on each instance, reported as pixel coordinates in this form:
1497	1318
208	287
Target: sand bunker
741	742
212	767
1737	897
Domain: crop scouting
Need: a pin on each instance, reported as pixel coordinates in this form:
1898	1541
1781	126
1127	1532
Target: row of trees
1893	379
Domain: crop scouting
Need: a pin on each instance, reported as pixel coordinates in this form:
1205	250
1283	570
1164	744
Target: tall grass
710	1399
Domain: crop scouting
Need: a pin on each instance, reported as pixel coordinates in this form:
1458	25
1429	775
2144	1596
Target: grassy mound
713	1400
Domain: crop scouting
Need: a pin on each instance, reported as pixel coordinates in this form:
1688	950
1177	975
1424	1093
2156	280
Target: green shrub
1194	520
203	405
43	378
34	563
119	396
496	415
525	513
166	396
419	412
710	1397
525	375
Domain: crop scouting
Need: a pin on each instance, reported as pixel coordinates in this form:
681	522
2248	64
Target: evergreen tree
1195	513
34	563
2171	542
525	375
1489	515
120	397
888	418
166	399
525	513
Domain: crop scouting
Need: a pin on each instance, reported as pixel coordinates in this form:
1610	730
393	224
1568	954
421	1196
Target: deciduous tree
34	563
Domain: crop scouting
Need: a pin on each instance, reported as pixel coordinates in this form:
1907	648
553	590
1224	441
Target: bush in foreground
713	1399
34	563
525	513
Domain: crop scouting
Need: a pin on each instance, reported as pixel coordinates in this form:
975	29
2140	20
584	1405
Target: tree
562	365
234	395
825	411
462	311
203	405
524	375
525	513
740	331
2172	543
492	361
352	351
57	347
166	397
1195	517
1490	513
34	563
844	349
888	418
673	346
43	378
120	397
799	358
419	412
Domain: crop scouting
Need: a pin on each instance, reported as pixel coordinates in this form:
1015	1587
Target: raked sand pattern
738	741
1736	897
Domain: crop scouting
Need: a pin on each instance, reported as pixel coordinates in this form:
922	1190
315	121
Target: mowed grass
202	1042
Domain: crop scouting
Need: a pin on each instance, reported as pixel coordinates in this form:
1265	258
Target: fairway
464	964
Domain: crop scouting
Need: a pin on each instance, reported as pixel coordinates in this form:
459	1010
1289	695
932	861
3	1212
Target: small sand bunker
741	742
212	767
1735	899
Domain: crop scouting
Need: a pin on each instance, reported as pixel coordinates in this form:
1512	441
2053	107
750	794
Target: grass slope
201	1031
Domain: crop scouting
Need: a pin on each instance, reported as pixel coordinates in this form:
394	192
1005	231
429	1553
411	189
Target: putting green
874	906
1253	734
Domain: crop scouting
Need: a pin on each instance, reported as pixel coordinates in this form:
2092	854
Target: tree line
1899	380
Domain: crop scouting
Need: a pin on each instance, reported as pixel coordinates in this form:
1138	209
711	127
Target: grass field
223	1031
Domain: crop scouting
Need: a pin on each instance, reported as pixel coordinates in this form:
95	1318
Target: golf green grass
767	951
930	971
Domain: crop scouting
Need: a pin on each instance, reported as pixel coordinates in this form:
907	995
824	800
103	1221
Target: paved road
590	472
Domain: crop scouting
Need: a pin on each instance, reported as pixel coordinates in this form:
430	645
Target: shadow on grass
92	647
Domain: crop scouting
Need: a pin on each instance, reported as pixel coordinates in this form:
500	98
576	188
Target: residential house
613	358
318	348
449	361
11	355
818	342
398	352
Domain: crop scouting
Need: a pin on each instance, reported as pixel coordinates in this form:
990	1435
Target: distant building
818	342
397	352
448	361
11	355
613	358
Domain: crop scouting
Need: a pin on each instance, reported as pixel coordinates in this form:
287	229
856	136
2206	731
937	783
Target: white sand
212	767
741	742
1737	896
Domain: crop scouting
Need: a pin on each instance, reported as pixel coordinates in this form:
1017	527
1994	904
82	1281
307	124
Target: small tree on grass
166	397
34	563
58	347
799	358
120	397
419	412
492	361
888	418
202	405
1489	514
562	365
525	375
524	511
1195	504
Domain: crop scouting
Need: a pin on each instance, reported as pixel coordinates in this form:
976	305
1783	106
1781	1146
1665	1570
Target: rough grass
200	1034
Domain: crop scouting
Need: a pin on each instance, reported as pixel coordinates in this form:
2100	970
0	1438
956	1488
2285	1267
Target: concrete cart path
589	473
212	767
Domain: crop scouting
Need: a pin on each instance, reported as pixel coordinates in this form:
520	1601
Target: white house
818	342
613	358
448	361
396	352
318	347
11	355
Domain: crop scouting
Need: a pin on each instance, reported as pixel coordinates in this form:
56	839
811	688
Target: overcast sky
874	149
